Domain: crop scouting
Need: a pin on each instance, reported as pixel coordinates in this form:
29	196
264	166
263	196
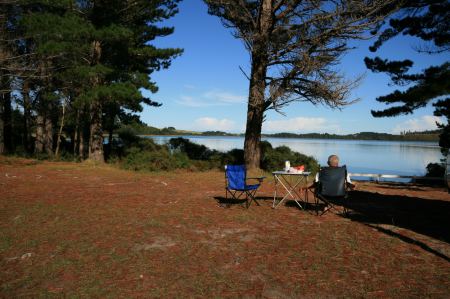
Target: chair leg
236	195
328	204
345	205
252	195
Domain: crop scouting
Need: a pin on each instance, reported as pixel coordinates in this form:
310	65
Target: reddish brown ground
79	230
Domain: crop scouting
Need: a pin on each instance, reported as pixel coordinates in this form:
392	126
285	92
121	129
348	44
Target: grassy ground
82	231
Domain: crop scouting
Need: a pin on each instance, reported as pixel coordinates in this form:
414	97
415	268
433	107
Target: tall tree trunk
255	116
81	146
108	149
26	116
96	133
2	139
39	141
48	136
61	126
256	103
7	122
5	102
76	134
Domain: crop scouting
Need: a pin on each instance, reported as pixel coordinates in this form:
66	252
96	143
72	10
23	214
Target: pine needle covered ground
78	230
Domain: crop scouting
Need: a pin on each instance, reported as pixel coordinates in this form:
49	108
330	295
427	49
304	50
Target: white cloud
426	122
191	102
224	97
211	98
301	125
214	124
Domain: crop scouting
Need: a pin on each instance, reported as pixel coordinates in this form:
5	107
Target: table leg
290	189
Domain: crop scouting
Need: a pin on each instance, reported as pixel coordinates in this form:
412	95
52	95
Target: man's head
333	161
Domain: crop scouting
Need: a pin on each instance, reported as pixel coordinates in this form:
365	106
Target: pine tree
429	21
7	64
294	47
93	55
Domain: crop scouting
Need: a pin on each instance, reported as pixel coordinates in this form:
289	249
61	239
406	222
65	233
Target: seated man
333	161
331	183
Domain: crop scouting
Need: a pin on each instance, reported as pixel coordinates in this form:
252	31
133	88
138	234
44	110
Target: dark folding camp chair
236	184
332	188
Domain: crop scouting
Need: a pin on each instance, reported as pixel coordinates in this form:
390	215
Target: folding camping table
289	181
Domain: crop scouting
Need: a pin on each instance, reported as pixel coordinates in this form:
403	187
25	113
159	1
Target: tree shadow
424	216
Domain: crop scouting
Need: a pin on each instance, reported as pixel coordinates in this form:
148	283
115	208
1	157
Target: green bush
233	157
154	160
274	159
145	154
435	170
128	136
193	150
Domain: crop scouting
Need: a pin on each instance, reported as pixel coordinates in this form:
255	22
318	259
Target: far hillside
432	135
404	136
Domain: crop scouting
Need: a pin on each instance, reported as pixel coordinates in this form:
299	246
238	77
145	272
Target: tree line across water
140	128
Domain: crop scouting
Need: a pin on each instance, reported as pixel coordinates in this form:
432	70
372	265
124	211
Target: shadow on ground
385	213
423	216
229	202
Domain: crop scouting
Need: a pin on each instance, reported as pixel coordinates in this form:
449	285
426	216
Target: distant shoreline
431	136
405	138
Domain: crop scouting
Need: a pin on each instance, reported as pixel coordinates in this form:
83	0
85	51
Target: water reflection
386	157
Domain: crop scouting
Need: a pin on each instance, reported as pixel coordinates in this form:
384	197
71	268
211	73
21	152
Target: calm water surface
362	156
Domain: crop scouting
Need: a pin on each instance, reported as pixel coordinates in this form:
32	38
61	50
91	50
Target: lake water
360	156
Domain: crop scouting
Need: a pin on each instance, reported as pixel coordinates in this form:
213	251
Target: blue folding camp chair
236	184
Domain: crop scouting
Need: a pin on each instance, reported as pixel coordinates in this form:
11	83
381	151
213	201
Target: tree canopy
82	66
427	20
294	48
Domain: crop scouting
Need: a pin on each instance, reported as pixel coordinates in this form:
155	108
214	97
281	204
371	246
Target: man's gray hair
333	161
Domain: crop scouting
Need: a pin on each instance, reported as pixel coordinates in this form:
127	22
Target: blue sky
204	89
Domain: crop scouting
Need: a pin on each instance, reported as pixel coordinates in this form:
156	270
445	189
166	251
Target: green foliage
180	153
217	133
145	154
274	159
141	128
233	157
93	57
428	21
154	160
193	150
128	136
435	170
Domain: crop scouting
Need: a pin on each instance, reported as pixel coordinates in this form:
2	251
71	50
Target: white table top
283	172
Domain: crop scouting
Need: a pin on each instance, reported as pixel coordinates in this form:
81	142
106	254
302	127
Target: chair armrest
350	186
261	178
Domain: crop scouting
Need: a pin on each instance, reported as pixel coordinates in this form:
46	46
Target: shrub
154	160
233	157
193	150
128	136
435	170
145	154
274	158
